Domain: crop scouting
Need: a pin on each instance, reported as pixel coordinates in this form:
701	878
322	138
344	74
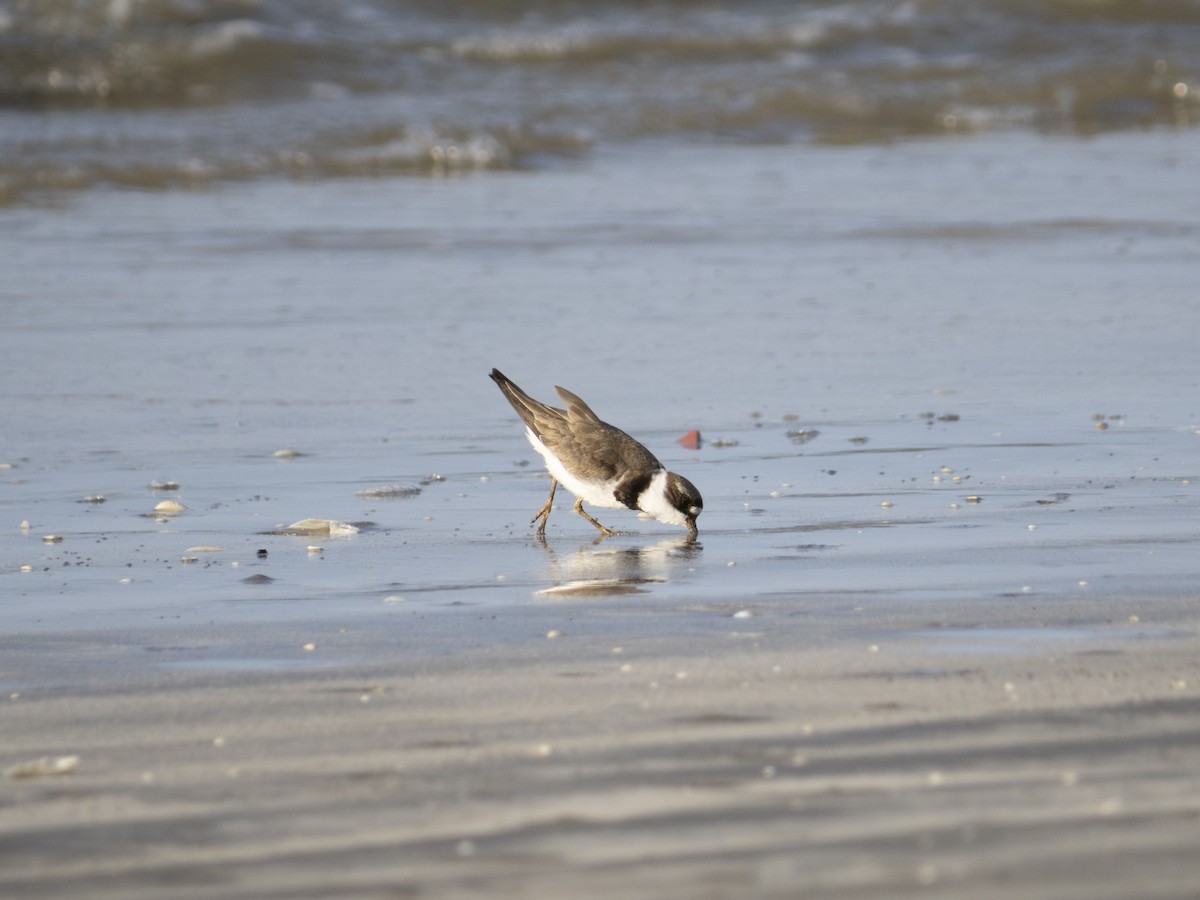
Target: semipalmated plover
599	463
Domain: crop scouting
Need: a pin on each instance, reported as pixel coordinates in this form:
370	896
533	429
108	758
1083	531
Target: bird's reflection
602	570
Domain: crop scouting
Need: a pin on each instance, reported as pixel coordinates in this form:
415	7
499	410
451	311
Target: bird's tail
527	408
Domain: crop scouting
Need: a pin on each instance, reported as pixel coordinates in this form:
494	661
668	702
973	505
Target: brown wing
597	450
607	450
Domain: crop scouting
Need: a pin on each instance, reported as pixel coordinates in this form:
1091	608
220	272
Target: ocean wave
162	92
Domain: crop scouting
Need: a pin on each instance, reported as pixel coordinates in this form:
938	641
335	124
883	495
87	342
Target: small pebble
886	504
52	538
974	499
188	559
554	633
169	507
743	614
310	646
27	568
285	454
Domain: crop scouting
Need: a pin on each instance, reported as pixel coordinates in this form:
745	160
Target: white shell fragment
52	538
46	765
169	507
331	527
164	485
389	492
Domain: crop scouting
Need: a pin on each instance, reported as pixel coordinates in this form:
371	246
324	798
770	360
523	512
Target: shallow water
949	316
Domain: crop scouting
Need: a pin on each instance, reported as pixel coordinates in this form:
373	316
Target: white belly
597	493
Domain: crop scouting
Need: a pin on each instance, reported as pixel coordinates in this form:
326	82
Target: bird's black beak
693	531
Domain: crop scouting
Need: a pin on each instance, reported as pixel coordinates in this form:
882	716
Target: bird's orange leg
607	532
544	512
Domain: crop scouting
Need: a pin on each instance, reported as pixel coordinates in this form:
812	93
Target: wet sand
777	756
938	637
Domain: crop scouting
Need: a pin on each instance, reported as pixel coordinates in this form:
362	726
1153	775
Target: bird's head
685	499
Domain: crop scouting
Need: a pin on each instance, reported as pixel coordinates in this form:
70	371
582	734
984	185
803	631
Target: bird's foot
544	512
544	515
603	529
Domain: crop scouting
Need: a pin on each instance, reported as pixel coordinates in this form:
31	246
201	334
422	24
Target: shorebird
600	464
